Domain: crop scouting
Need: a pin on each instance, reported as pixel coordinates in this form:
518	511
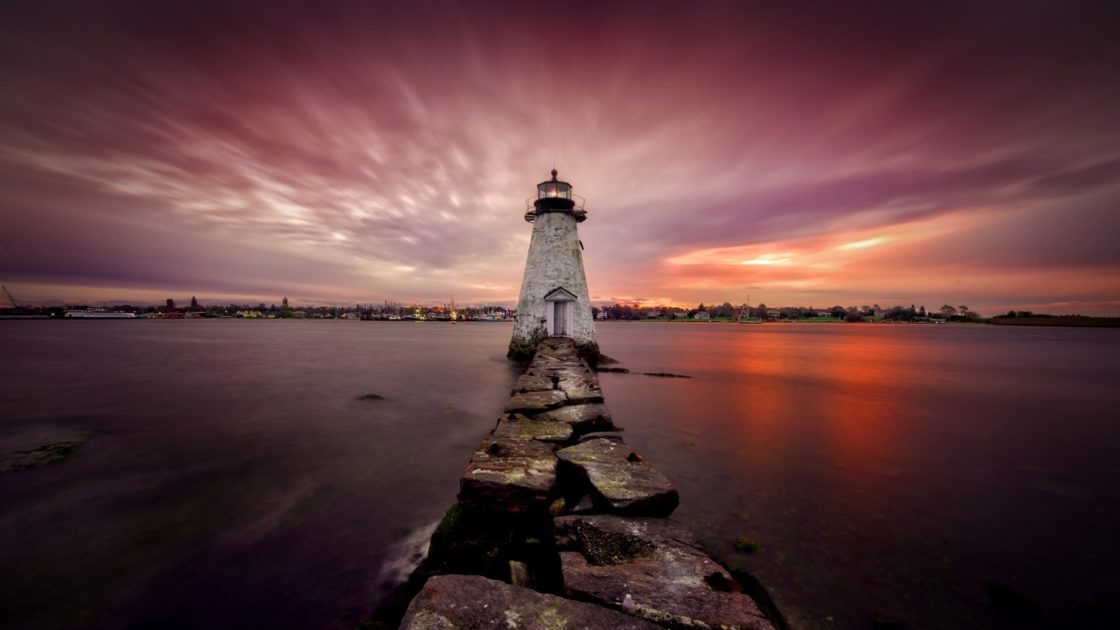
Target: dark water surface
889	470
231	477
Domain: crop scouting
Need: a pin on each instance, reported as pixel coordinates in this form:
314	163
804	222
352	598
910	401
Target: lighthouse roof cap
554	179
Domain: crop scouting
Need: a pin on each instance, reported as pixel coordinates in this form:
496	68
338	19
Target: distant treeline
1027	318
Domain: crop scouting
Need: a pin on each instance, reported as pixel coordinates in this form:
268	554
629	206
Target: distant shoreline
1065	321
1049	321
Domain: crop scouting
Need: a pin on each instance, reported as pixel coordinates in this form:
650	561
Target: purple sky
804	153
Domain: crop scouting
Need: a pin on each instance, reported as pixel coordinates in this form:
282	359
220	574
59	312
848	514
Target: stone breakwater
560	524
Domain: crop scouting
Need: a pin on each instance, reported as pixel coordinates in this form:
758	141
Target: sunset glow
869	242
240	152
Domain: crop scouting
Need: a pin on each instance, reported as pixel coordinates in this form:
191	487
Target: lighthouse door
560	319
558	312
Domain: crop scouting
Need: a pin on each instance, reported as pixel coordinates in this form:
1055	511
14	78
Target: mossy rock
589	351
746	545
521	351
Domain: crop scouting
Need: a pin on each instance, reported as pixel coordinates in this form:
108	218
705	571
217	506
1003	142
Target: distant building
703	315
170	304
284	303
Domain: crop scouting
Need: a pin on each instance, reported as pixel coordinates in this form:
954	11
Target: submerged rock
659	564
509	475
42	454
746	545
621	479
471	601
614	436
1011	603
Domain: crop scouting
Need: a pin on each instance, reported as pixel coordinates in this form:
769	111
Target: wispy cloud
353	152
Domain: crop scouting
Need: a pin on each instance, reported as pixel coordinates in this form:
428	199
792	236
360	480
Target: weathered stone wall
555	260
572	523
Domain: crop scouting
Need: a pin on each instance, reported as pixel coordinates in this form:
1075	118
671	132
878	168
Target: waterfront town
399	311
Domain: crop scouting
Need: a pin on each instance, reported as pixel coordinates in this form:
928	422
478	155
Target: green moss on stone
606	548
589	351
521	351
746	545
450	519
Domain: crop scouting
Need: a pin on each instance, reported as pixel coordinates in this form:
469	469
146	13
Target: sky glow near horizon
356	152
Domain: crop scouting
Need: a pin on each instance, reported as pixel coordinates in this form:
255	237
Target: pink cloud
357	153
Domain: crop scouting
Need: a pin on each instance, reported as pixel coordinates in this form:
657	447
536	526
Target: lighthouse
554	300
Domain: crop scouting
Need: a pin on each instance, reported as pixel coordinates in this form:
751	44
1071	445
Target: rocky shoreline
559	524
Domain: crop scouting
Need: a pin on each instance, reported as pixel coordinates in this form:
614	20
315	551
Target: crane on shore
10	297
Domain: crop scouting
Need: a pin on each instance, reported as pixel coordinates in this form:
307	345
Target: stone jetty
560	524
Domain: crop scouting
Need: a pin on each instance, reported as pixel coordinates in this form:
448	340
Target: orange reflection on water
764	398
855	414
832	403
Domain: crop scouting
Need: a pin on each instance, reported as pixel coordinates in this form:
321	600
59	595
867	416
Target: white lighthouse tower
554	300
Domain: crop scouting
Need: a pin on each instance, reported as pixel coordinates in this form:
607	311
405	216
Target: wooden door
560	319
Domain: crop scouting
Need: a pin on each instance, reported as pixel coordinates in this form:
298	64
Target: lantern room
555	196
554	189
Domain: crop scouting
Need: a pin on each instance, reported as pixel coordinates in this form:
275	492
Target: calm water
232	478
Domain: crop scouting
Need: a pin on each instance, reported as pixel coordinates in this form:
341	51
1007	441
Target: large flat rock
579	385
620	479
659	564
471	601
584	418
529	383
518	427
535	402
509	475
557	349
551	365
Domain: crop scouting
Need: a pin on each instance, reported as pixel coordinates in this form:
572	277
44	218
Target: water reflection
231	474
881	466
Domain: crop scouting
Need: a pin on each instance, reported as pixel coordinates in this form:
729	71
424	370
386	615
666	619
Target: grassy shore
1082	321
